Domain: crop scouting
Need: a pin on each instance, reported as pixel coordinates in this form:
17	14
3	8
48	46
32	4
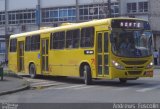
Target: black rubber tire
32	71
122	80
87	75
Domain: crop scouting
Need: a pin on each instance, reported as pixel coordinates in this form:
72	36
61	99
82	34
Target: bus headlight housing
150	65
117	65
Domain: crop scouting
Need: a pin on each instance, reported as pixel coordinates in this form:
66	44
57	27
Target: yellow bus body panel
67	62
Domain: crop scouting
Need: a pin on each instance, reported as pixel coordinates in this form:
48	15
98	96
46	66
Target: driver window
143	40
116	41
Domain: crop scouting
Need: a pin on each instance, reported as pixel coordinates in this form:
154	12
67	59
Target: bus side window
57	40
35	42
72	38
87	37
13	45
69	39
76	37
28	43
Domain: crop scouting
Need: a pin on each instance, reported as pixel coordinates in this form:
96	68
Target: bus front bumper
131	73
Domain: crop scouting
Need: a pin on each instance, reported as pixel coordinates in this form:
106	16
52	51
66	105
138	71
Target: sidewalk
12	83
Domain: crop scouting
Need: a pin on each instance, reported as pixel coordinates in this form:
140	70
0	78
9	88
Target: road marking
148	89
121	89
49	84
40	83
35	80
69	87
45	85
83	87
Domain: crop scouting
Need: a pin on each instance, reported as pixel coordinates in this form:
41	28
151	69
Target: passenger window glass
28	43
35	42
87	37
72	38
57	40
13	45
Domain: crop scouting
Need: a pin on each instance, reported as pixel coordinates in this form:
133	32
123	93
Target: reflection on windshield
132	44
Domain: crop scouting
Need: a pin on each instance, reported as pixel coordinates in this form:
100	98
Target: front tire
32	71
87	75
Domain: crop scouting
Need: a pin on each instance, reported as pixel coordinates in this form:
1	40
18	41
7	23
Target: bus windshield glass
132	43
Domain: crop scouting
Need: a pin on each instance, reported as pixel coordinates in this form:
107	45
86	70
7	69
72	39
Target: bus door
44	58
102	54
21	56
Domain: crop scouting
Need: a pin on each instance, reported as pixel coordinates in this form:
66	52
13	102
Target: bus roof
71	26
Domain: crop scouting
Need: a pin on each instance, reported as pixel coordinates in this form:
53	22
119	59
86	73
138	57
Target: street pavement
71	90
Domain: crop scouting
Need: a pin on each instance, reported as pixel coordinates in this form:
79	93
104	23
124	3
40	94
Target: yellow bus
99	49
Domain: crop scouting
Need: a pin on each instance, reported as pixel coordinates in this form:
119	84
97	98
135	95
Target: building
135	8
154	16
17	16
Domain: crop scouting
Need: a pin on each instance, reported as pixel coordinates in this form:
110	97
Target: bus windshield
132	43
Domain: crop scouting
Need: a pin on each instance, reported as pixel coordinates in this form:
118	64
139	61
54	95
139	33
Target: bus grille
139	67
135	62
134	72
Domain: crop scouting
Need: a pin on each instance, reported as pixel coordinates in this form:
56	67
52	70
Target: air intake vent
135	62
134	72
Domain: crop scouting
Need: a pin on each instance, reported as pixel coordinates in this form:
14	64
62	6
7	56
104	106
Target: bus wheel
122	80
32	71
87	75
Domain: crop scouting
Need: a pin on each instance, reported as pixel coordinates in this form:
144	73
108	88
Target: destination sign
130	24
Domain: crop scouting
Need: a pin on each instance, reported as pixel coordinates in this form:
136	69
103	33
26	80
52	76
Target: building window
13	45
2	47
58	40
87	37
131	7
21	17
72	38
59	14
2	18
97	11
143	6
115	10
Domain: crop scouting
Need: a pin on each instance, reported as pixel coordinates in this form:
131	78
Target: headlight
117	65
150	65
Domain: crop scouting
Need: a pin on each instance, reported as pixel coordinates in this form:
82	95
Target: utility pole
38	14
109	8
77	11
6	29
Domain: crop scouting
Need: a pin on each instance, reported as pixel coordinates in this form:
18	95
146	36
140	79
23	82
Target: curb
13	75
15	90
27	85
